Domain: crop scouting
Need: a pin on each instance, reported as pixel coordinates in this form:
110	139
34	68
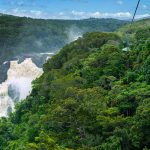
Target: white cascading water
18	84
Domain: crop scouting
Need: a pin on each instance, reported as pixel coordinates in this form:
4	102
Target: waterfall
18	84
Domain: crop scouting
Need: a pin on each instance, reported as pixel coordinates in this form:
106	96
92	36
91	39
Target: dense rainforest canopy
92	96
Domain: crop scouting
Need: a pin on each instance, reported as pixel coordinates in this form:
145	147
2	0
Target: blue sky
75	9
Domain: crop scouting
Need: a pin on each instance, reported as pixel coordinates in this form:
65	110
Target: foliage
22	37
92	96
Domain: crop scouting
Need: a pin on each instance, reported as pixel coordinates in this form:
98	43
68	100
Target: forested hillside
92	96
22	37
21	34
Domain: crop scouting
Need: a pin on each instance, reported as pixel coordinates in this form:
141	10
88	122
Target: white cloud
22	13
142	16
36	13
144	6
120	2
61	13
119	15
17	3
71	15
20	3
78	13
15	10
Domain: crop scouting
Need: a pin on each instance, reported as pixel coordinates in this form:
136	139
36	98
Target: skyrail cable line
135	11
132	21
127	38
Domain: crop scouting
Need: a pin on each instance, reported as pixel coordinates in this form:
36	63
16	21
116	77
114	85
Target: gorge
28	43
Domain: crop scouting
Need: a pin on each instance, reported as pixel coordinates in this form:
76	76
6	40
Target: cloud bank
71	15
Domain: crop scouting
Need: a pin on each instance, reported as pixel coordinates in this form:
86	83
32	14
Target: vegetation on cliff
92	96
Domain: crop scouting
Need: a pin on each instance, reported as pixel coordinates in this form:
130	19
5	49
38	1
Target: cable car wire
127	38
132	21
135	11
